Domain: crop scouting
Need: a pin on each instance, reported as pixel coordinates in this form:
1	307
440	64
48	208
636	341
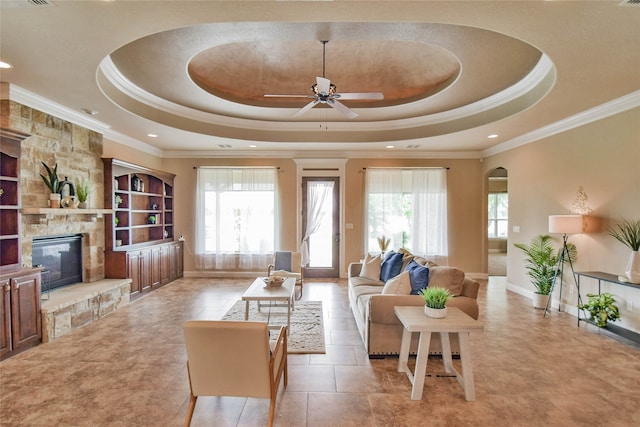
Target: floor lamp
565	225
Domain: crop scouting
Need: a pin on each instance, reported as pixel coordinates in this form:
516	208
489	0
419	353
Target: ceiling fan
325	92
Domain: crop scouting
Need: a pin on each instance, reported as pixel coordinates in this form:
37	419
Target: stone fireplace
61	259
77	151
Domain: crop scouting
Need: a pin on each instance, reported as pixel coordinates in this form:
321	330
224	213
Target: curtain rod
407	168
237	167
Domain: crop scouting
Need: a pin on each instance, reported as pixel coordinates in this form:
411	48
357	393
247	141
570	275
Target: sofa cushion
418	276
423	261
357	281
450	278
391	266
371	267
401	284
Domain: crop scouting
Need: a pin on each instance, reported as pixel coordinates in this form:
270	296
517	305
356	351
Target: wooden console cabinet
20	318
140	241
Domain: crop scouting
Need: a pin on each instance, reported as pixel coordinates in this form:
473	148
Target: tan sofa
378	325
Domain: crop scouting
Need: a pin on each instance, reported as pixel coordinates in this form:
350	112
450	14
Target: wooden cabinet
20	318
148	268
139	242
10	246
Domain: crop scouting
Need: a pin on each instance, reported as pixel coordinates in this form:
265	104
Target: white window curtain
235	218
409	207
317	193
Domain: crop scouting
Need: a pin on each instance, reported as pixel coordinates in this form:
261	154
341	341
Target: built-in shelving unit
140	241
10	246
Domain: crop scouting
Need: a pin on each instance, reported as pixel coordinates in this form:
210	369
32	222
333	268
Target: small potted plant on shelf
435	301
601	308
542	265
82	191
152	219
52	182
117	200
628	233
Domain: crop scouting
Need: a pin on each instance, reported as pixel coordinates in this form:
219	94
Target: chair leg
272	409
192	405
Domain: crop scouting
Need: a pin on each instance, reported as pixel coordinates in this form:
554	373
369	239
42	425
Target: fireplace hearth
61	258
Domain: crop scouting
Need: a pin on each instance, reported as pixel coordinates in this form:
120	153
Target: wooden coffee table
414	320
258	291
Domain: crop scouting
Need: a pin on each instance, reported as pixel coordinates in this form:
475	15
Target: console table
611	278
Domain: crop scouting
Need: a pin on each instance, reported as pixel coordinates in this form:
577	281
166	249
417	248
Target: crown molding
30	99
599	112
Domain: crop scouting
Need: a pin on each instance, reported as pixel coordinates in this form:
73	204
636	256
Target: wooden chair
234	358
287	264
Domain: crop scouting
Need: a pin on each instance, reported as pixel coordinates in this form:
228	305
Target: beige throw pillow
450	278
371	267
398	285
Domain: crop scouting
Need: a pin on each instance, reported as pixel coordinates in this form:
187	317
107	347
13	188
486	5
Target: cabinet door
5	317
25	311
165	263
133	272
156	265
145	270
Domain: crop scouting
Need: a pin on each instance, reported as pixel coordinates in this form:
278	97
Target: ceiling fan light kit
325	92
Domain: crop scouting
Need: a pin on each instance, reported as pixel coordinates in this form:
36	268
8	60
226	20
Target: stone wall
78	152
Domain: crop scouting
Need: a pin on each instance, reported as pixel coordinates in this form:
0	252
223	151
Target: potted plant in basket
601	308
52	182
542	265
435	301
628	233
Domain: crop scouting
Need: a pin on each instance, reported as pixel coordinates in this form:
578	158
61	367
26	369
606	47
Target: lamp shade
566	224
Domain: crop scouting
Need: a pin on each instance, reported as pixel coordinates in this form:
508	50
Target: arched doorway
498	222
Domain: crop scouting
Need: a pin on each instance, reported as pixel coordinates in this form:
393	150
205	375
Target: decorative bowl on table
274	281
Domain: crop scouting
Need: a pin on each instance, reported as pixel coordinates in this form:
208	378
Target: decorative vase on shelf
436	313
54	200
632	272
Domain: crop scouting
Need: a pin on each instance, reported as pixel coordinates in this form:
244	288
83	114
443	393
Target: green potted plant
435	301
82	191
542	264
52	182
601	308
627	232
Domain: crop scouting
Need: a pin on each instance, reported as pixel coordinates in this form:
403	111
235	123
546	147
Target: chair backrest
288	261
228	358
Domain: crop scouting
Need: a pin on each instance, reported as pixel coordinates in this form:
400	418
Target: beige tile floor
128	369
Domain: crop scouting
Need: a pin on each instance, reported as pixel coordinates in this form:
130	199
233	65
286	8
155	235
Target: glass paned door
320	225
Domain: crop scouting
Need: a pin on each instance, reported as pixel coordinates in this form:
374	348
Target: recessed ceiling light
5	65
391	146
252	146
493	135
152	135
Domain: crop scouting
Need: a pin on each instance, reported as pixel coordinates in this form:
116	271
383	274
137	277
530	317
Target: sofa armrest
470	288
381	307
354	269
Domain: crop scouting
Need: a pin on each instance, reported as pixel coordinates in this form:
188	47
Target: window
408	206
498	215
235	218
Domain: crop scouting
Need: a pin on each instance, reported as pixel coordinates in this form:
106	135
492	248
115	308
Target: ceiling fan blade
288	96
305	108
343	109
324	85
362	95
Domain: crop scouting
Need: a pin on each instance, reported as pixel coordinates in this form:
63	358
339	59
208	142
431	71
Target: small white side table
414	320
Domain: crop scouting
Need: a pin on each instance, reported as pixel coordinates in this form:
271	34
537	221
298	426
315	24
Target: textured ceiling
195	73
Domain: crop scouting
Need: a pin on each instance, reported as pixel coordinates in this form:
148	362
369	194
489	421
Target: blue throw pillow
418	275
391	266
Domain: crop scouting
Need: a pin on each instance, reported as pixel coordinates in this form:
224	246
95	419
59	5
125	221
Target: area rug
307	329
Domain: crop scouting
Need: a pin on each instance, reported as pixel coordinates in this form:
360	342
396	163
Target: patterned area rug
307	329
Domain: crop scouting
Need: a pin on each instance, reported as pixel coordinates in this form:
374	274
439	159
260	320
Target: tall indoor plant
542	261
52	182
627	232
